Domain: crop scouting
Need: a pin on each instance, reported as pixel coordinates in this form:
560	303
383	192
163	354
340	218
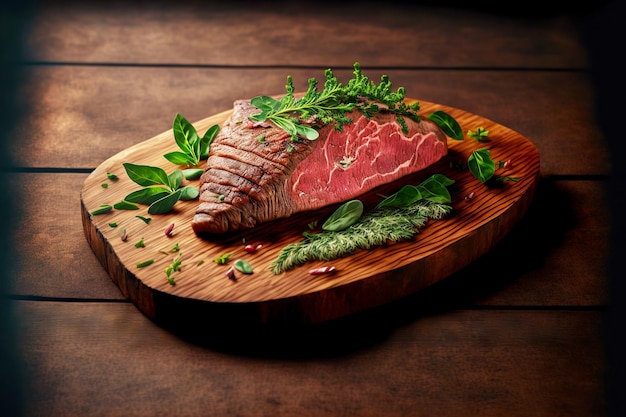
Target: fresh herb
481	165
345	216
192	173
243	266
111	176
113	224
146	220
145	263
174	249
162	190
104	185
193	148
140	244
298	117
222	259
480	135
125	205
374	228
103	209
433	189
174	267
447	123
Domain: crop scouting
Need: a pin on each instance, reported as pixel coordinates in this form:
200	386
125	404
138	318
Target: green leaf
178	158
345	216
125	205
447	123
146	175
207	139
165	204
243	266
481	165
192	173
185	134
434	189
175	179
404	197
147	195
307	132
103	209
189	192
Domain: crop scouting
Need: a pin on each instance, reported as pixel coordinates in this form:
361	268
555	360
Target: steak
255	174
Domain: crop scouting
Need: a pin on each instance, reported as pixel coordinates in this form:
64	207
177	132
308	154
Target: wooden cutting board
204	296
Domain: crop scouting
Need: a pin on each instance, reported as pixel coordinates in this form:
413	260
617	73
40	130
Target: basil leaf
146	175
125	205
307	132
434	189
481	165
207	139
178	158
189	192
175	179
345	216
147	195
192	173
447	123
165	204
243	266
184	134
404	197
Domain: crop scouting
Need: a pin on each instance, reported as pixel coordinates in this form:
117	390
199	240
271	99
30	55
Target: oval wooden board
203	296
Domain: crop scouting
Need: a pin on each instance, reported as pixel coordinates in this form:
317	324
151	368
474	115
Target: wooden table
520	332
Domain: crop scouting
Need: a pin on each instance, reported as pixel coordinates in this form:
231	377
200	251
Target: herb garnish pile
396	218
296	116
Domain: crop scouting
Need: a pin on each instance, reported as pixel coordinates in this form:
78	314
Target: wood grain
363	280
102	359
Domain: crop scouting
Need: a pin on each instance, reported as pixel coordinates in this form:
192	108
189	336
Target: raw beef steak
255	174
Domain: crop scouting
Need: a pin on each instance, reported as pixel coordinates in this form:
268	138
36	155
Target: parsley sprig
297	116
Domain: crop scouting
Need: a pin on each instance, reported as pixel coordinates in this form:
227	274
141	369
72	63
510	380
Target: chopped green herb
145	263
146	220
222	259
103	209
125	205
111	176
480	135
113	224
104	185
140	244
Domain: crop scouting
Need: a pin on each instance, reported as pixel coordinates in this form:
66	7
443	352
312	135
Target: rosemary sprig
374	228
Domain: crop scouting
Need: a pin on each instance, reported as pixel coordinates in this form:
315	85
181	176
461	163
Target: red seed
322	270
252	248
169	230
230	274
470	196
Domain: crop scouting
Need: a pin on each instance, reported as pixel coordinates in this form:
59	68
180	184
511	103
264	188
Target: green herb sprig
296	116
161	190
193	148
397	218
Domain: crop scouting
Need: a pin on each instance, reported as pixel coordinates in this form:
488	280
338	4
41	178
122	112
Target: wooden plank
73	122
565	267
109	360
304	34
362	280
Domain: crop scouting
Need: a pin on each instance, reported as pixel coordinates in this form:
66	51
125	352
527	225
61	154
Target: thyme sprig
297	115
373	229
